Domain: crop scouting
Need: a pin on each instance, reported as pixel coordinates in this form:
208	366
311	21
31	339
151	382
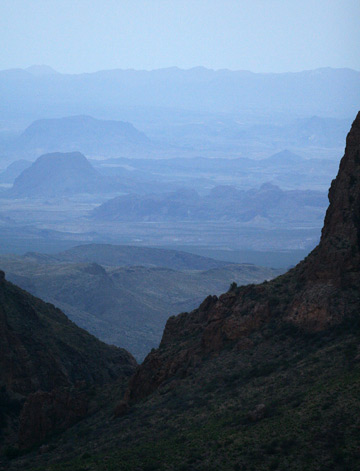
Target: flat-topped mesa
319	293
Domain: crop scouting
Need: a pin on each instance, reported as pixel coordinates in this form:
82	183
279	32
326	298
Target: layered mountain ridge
264	377
222	203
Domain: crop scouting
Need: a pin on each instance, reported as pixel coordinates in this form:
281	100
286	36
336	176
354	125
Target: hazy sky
258	35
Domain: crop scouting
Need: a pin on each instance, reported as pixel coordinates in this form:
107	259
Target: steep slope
320	292
41	350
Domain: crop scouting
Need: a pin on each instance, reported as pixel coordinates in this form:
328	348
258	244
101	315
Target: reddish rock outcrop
318	293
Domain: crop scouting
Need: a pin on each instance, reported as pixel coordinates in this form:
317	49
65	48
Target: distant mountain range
247	135
175	113
323	92
147	184
225	202
285	169
127	255
264	377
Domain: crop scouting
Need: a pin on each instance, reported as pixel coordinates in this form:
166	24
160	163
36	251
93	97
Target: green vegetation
309	385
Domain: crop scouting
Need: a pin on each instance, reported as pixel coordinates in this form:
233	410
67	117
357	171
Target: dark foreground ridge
320	292
47	365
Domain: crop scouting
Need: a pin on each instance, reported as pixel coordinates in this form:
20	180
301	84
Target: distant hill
88	135
127	255
41	70
59	174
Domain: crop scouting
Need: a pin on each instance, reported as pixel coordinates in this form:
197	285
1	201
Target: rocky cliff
319	293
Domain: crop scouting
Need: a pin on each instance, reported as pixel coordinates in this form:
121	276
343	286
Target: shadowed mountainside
42	350
320	292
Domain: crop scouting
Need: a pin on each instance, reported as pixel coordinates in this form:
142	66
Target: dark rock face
318	293
42	349
329	278
47	412
338	255
43	355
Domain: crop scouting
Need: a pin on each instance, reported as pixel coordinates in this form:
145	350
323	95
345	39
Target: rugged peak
344	192
338	254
